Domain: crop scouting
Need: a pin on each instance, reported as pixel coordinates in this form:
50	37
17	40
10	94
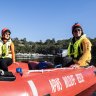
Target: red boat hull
48	82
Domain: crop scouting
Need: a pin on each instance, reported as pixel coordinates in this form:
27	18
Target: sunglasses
77	30
7	33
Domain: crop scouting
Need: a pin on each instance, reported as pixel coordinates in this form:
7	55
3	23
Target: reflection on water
41	58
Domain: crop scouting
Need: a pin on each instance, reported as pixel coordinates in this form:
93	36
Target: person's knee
58	60
67	61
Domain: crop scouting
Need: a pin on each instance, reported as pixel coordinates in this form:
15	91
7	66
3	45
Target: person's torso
75	49
5	49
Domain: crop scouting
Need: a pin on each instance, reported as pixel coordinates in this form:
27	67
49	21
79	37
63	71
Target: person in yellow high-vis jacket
79	49
7	53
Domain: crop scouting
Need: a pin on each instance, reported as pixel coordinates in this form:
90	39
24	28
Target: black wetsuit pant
4	63
65	61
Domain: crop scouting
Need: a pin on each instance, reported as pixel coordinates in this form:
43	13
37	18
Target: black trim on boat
8	76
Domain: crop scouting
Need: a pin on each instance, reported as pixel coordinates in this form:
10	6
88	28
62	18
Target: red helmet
4	30
76	25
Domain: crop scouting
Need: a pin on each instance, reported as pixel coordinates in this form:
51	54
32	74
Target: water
41	58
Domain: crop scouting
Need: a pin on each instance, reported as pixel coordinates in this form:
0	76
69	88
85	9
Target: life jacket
5	49
75	50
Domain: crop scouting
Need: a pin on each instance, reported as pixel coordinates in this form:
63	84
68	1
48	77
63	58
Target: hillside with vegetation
50	46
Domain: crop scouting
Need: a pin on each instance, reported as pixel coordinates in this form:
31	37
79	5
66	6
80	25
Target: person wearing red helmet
7	53
79	49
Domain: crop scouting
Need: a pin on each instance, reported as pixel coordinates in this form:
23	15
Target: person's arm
86	53
13	52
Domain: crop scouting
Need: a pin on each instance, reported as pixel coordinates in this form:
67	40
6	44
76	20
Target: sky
38	20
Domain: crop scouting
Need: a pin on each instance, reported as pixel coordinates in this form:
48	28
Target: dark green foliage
47	47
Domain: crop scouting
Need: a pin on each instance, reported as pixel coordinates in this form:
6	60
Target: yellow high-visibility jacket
7	50
82	56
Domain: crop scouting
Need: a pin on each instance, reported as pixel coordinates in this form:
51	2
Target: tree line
50	46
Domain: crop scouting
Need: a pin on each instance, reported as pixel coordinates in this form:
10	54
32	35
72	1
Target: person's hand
16	63
75	66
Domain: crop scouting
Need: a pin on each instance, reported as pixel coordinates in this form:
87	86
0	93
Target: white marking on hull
33	88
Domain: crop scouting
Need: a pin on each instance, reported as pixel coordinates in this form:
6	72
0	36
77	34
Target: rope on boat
50	70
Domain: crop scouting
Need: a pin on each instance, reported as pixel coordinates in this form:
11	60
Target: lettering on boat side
69	81
55	85
79	77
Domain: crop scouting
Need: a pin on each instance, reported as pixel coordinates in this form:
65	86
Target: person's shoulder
86	41
12	44
10	40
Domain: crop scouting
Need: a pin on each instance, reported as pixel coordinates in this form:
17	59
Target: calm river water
43	58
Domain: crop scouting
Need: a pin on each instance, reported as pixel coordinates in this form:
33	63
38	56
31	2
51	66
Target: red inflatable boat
48	82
